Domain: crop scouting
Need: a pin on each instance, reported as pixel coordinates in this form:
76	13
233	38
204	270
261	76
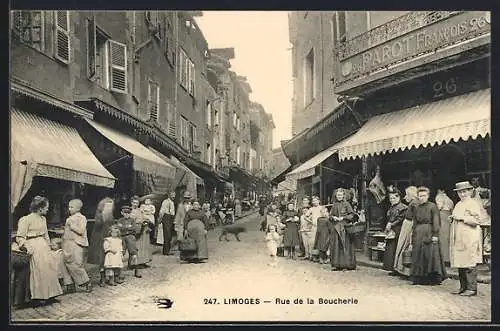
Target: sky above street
262	54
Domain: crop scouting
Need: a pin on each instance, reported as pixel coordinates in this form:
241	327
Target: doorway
448	168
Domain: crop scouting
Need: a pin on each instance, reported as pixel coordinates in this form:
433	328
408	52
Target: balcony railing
390	30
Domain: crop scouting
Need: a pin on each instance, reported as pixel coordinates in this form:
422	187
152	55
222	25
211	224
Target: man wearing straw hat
182	209
465	239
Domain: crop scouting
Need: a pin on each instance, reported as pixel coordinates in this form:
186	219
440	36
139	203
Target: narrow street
240	270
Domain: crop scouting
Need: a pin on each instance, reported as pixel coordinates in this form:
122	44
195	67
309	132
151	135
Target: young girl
322	240
113	261
62	272
291	238
148	214
272	240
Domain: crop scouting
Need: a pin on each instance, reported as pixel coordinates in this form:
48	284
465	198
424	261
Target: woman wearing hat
395	218
182	209
465	239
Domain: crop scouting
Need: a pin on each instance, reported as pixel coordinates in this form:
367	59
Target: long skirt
196	231
444	235
426	256
291	237
44	283
390	250
144	253
342	254
404	242
322	237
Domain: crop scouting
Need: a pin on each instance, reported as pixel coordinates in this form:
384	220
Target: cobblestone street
239	270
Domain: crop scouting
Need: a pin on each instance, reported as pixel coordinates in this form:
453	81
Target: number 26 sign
443	88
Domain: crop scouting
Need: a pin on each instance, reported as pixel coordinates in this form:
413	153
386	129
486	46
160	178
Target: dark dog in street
234	229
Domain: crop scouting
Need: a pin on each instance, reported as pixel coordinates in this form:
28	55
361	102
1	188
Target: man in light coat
466	239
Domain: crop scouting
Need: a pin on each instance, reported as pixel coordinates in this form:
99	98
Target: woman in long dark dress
291	238
427	266
322	238
395	218
195	225
342	254
103	221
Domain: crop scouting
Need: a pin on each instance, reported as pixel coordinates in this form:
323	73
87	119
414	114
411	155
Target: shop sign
453	30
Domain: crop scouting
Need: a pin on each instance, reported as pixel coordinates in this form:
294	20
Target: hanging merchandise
377	188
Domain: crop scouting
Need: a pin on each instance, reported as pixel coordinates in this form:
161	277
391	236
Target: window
62	37
309	79
107	60
209	154
153	100
235	119
192	138
238	155
216	117
186	72
209	114
184	132
238	123
28	27
341	26
368	21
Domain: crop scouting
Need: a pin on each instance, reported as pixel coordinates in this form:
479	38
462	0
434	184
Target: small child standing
113	260
148	214
62	273
272	241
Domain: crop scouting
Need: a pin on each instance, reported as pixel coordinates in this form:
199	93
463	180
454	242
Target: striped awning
462	117
307	169
57	150
143	159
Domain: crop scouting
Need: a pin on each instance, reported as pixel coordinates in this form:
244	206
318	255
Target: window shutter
172	123
118	66
17	22
62	36
91	47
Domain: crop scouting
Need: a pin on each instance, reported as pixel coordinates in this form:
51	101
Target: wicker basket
355	228
20	259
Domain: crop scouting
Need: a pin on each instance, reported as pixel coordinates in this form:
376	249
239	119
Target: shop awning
306	169
181	171
41	147
463	117
143	159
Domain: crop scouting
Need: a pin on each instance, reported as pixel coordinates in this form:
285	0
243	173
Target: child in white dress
272	241
113	261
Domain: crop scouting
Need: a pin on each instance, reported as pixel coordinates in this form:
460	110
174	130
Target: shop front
434	144
50	158
138	170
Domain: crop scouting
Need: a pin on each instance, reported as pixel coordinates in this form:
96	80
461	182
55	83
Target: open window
107	60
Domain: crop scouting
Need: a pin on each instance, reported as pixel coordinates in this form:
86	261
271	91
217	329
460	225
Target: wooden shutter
154	101
91	47
172	123
62	38
118	66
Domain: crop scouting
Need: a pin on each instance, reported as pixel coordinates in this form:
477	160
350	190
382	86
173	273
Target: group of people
45	267
314	228
421	237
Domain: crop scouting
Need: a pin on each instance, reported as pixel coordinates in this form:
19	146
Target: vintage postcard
262	166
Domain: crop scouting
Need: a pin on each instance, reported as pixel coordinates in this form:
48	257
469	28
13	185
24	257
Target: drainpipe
176	85
322	60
